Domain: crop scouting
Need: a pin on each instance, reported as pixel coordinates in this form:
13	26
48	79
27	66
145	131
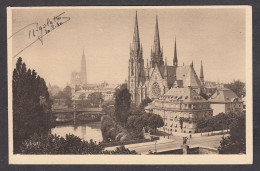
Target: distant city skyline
215	36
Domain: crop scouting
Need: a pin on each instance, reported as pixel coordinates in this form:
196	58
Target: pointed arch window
132	67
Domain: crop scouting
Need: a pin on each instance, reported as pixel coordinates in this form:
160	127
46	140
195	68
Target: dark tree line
237	87
71	144
146	120
64	94
122	105
236	142
221	121
31	104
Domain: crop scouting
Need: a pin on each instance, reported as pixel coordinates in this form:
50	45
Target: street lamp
155	150
163	123
74	115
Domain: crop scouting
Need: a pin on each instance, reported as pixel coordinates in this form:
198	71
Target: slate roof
185	94
186	74
223	95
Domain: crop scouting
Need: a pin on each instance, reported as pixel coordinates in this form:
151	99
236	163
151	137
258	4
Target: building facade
157	77
180	103
225	100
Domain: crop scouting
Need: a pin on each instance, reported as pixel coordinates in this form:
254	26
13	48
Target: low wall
192	150
197	134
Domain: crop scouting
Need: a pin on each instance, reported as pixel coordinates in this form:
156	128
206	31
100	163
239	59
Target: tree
108	109
67	96
95	98
131	120
236	142
70	144
122	106
121	150
221	119
237	87
155	121
31	104
145	102
201	123
82	96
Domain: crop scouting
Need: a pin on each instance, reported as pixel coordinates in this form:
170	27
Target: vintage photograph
138	84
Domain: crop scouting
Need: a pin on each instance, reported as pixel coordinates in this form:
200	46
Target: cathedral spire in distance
83	72
201	73
175	59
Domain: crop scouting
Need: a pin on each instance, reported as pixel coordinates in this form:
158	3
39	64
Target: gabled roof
223	95
188	75
185	94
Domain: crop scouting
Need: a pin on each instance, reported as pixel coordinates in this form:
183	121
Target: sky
214	35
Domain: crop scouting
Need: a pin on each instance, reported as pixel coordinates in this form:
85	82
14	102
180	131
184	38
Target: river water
85	131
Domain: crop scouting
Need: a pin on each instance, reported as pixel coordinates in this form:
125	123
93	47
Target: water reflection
85	131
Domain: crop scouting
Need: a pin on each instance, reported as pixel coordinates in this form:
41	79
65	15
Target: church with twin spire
158	77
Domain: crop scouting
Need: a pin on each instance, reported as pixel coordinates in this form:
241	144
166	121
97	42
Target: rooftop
224	95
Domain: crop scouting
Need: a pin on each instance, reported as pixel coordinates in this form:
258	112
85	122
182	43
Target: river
85	131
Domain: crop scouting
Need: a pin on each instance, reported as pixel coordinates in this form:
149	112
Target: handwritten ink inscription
37	31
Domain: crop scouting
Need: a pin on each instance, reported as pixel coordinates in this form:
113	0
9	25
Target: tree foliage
236	142
155	121
237	87
31	104
122	105
65	94
145	102
71	144
95	99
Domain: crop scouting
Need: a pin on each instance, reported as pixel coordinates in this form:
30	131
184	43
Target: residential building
225	100
180	103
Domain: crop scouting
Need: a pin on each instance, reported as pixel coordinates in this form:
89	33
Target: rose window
156	89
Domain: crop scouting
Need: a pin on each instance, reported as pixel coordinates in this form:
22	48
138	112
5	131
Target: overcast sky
215	36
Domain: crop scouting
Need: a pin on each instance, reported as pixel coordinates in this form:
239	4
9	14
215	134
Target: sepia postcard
130	85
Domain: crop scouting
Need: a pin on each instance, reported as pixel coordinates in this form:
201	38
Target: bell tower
136	75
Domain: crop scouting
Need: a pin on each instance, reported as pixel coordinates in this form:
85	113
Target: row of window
183	105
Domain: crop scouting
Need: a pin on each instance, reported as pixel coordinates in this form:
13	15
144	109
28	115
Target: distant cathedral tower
136	75
201	75
83	72
175	60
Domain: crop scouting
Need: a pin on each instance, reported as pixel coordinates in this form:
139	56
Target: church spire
83	72
83	56
165	70
136	39
157	47
157	54
201	73
175	60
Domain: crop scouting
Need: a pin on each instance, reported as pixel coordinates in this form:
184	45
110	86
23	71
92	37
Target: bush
71	144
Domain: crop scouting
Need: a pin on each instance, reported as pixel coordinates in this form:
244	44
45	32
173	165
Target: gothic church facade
157	77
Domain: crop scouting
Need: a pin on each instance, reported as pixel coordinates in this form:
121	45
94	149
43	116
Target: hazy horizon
215	36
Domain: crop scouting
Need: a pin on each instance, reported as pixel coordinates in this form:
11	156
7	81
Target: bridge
164	145
79	115
80	110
